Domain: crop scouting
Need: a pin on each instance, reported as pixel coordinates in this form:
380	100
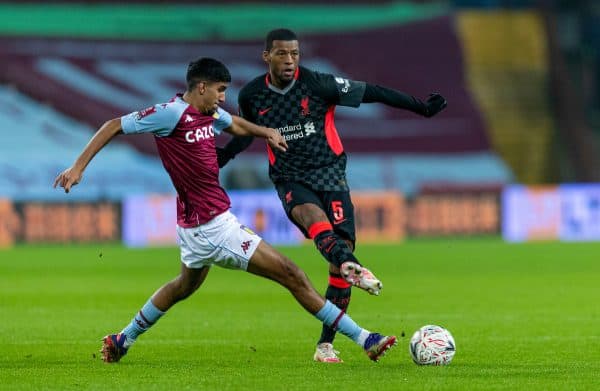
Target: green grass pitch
523	316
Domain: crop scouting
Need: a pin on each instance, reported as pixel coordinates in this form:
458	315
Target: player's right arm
158	119
72	175
239	126
242	127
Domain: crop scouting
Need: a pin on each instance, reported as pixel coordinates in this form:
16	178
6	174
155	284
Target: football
432	345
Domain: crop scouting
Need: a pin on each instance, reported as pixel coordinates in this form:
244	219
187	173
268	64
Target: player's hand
68	178
434	104
276	140
223	157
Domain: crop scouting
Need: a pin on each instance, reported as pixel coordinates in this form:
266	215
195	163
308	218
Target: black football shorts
337	205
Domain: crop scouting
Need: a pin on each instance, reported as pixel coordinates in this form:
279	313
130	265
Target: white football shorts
223	241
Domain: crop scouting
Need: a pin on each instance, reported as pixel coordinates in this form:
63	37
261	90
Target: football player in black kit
310	177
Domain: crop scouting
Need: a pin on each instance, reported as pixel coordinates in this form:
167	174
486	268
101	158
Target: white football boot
326	353
361	277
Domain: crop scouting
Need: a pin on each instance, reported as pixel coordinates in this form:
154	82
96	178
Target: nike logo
265	111
336	222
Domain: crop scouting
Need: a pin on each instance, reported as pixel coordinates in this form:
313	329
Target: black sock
334	248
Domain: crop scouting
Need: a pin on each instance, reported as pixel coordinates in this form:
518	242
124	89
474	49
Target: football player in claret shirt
209	234
310	177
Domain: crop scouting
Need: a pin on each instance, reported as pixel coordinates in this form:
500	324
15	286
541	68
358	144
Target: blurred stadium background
515	154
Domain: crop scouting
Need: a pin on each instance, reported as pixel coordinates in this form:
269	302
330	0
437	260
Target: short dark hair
279	35
207	69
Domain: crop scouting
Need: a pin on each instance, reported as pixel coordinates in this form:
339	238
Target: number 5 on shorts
338	211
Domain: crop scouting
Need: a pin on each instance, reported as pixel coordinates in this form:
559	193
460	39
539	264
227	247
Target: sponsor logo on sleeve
146	112
344	82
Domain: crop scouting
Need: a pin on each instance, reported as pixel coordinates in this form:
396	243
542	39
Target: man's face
283	61
212	94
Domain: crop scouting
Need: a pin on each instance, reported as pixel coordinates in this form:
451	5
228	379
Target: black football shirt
303	112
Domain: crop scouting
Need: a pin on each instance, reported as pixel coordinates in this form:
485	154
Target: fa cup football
432	345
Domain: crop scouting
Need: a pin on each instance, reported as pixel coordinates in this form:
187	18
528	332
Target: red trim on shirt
271	155
319	227
333	139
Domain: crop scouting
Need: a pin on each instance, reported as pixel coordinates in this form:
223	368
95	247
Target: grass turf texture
523	317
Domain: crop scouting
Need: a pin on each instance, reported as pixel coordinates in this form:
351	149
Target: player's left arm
433	105
352	93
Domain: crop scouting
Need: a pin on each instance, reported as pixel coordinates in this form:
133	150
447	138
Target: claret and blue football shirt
185	139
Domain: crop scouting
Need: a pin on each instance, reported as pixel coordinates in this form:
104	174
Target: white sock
362	337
